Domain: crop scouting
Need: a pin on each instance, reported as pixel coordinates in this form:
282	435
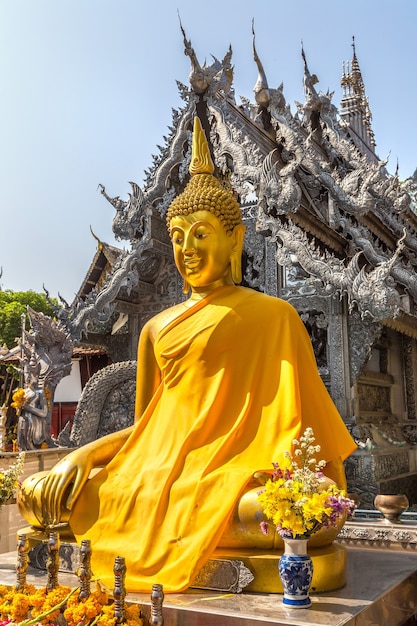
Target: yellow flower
18	399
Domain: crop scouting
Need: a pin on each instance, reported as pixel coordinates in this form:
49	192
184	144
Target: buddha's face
202	249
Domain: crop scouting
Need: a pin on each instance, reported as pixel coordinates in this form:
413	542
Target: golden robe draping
239	383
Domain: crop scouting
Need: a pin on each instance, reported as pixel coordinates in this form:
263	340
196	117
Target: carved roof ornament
354	106
129	221
269	101
316	103
261	88
279	192
215	77
402	272
372	290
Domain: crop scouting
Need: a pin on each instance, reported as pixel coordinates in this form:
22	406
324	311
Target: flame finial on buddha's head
205	192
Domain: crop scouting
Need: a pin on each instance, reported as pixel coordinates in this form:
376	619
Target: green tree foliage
12	305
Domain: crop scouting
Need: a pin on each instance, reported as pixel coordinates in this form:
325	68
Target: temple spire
354	106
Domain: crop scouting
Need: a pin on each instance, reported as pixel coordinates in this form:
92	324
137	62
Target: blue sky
88	87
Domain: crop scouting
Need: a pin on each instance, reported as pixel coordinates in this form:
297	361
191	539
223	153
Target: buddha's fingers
79	480
54	489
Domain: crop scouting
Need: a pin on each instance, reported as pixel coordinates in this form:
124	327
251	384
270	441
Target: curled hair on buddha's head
205	192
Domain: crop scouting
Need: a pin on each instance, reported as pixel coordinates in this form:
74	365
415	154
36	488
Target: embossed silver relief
253	264
316	324
372	292
362	335
279	192
229	139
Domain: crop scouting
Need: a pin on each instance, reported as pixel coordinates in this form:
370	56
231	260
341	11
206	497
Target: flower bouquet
299	500
9	479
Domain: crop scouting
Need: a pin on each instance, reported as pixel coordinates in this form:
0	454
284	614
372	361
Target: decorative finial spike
201	162
99	242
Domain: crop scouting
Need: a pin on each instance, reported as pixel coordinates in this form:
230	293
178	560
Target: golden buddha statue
226	381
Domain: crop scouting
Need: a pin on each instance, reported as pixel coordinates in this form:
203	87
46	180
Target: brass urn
391	506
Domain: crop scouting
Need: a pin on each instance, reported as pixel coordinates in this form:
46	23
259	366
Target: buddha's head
205	225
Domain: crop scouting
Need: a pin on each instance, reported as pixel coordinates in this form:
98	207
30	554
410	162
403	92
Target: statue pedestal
229	571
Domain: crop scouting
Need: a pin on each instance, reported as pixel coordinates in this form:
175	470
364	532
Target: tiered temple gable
328	229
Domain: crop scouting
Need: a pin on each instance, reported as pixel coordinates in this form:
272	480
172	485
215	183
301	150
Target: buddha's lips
191	263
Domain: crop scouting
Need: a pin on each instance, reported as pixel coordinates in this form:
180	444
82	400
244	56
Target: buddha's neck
198	293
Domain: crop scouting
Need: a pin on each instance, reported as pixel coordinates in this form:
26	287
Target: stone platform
381	589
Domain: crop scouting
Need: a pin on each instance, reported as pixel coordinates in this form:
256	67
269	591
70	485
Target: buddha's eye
177	239
201	233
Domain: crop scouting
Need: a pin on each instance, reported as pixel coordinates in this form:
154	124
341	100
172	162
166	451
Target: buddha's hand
65	481
63	484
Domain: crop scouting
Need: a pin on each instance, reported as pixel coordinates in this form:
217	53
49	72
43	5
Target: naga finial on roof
261	89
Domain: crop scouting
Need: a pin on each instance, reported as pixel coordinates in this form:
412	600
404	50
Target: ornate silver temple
328	229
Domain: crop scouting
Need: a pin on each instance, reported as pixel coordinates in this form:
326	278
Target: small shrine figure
46	352
32	426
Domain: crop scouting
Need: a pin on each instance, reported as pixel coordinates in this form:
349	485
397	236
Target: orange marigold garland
37	607
84	611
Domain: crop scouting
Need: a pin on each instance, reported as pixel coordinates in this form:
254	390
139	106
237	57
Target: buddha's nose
189	244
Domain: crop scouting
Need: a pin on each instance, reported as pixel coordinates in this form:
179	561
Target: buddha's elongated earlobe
236	267
236	255
186	287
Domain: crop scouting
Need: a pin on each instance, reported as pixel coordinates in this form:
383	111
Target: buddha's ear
238	236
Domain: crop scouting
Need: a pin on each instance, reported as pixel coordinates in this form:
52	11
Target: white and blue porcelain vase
296	571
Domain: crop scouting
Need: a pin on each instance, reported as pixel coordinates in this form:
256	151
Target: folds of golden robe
239	383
